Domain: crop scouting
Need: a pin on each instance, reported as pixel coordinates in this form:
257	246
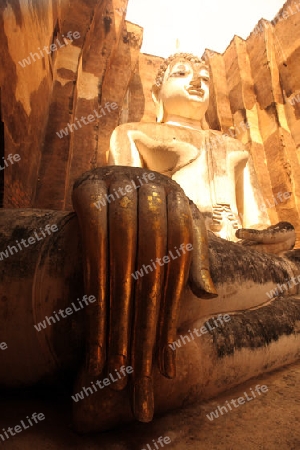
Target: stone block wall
56	90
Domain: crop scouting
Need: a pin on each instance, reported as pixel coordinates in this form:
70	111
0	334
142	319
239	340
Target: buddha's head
181	88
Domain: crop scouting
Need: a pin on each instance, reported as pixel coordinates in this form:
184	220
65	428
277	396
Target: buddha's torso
203	162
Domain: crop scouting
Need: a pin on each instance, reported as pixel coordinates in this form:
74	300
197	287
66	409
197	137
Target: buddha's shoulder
157	131
166	131
151	128
139	126
218	138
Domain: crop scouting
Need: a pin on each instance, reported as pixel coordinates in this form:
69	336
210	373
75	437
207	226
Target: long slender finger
122	250
280	232
200	280
180	234
149	286
92	215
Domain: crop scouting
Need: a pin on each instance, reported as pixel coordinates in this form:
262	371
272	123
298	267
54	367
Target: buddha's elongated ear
155	92
158	104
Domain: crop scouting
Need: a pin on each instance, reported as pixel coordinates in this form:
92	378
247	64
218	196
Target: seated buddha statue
216	174
146	246
215	171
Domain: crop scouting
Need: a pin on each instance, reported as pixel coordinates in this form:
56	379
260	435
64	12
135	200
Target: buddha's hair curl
177	56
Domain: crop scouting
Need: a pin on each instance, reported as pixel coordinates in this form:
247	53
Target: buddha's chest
167	151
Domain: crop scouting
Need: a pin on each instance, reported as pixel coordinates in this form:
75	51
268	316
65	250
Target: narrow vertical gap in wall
53	54
1	157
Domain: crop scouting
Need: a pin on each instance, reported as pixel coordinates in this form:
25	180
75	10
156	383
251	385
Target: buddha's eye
180	70
204	76
179	73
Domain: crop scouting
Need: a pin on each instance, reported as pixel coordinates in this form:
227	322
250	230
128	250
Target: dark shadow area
1	157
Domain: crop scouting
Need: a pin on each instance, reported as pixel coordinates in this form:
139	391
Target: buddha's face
185	90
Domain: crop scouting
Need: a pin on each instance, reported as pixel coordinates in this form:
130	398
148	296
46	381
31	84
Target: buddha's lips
195	91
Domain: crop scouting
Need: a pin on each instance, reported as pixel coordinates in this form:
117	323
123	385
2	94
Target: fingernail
168	362
143	399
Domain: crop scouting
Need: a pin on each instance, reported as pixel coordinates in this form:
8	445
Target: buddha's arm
256	230
123	151
249	200
254	211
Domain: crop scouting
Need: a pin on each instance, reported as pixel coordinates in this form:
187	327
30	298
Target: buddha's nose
196	80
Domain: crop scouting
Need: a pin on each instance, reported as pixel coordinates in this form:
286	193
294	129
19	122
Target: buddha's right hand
276	239
138	232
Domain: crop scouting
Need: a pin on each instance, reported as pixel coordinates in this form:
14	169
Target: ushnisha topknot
172	59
